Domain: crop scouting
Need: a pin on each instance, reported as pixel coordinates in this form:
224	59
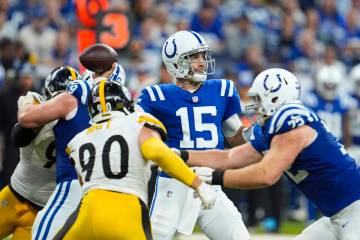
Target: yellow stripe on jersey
102	96
155	150
151	120
72	72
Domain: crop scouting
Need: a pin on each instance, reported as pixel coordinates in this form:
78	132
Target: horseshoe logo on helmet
272	89
174	46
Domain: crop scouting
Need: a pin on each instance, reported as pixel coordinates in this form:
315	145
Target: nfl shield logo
195	99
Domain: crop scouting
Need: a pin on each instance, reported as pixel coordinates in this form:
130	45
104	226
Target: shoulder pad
227	88
78	89
151	122
291	116
154	92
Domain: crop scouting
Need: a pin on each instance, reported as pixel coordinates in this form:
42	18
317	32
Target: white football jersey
34	176
108	156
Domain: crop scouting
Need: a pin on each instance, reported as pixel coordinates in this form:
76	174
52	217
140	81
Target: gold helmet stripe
102	95
72	72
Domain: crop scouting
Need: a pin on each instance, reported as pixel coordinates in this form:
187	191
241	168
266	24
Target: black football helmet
107	97
57	81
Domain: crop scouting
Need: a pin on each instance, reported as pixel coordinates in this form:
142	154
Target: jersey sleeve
233	106
145	100
153	123
290	117
256	139
79	89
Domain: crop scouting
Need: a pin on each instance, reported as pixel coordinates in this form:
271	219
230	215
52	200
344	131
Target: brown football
98	57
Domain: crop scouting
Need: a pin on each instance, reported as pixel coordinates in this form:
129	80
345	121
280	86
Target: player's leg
348	222
321	229
16	217
166	207
223	221
108	215
62	203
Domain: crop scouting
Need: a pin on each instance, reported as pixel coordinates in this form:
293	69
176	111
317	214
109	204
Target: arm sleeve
21	137
155	150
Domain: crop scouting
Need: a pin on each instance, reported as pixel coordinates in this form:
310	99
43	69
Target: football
98	57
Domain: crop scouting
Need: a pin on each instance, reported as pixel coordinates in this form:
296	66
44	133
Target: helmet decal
175	48
272	90
102	96
197	36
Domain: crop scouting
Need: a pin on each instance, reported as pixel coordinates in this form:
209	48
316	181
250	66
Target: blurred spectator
63	52
8	115
39	39
332	24
207	22
240	35
291	7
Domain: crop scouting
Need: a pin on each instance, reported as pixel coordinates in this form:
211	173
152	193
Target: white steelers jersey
34	176
107	156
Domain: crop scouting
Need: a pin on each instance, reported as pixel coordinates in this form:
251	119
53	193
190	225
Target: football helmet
176	54
108	99
118	75
57	81
328	79
270	90
355	79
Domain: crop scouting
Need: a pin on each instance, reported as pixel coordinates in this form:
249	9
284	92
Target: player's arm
236	157
283	151
21	136
33	116
233	130
154	149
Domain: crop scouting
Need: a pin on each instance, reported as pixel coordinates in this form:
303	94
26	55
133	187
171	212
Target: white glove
205	173
29	98
207	195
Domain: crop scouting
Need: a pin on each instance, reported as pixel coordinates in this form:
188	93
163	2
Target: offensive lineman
290	138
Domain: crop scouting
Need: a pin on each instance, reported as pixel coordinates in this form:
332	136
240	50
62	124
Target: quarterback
198	114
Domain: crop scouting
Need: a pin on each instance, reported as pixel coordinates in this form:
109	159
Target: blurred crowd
318	40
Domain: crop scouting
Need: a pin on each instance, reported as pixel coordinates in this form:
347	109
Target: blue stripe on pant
57	209
48	211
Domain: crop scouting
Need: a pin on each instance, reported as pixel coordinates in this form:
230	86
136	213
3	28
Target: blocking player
33	179
198	114
111	159
290	138
67	104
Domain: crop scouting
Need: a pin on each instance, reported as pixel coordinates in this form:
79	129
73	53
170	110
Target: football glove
209	175
207	195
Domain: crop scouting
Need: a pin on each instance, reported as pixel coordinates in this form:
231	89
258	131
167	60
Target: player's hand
207	195
205	173
246	133
28	99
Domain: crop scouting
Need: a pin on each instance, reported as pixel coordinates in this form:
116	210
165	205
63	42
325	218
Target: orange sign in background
98	23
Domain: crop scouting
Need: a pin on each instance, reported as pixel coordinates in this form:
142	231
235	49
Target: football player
198	114
111	159
327	101
290	138
67	104
33	179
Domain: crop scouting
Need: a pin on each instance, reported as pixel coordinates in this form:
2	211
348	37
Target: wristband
218	178
184	155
